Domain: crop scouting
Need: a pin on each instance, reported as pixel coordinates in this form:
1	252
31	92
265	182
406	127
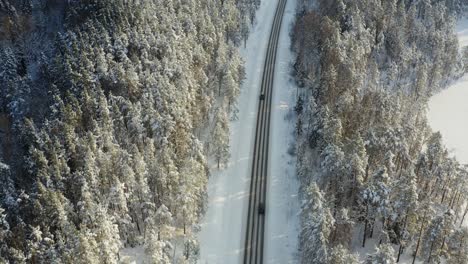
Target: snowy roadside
282	221
222	232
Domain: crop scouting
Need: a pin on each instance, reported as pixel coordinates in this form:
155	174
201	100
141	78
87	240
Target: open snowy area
448	110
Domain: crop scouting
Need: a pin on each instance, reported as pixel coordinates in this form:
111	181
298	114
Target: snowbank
282	221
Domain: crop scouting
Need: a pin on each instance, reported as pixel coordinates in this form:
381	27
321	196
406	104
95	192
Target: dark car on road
261	208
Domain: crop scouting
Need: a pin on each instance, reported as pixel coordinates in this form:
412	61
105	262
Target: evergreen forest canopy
109	111
369	165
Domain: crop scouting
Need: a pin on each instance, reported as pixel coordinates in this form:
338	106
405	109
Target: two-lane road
255	229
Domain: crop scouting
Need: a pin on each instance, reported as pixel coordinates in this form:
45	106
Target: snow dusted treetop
317	223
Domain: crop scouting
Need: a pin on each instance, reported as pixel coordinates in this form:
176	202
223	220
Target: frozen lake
448	110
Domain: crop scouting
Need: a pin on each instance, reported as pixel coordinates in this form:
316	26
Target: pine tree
342	229
157	250
86	248
191	250
385	254
220	134
340	255
405	197
317	224
163	220
365	64
458	247
435	239
376	201
4	234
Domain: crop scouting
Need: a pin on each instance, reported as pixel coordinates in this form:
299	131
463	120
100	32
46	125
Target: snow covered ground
222	229
448	110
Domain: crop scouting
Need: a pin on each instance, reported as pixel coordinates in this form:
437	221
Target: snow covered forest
114	112
371	169
110	114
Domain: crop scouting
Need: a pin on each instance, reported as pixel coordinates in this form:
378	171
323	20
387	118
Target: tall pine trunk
430	252
464	214
372	228
365	226
419	238
400	249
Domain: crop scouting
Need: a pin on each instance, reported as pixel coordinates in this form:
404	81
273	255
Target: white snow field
462	32
282	221
448	110
223	227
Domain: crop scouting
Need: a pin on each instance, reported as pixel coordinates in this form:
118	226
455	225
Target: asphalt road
254	237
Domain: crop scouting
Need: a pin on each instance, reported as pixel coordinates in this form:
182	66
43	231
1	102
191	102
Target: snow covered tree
457	247
163	220
317	224
366	66
405	197
385	255
86	251
220	145
191	250
342	229
125	96
435	239
376	201
157	250
340	255
4	233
